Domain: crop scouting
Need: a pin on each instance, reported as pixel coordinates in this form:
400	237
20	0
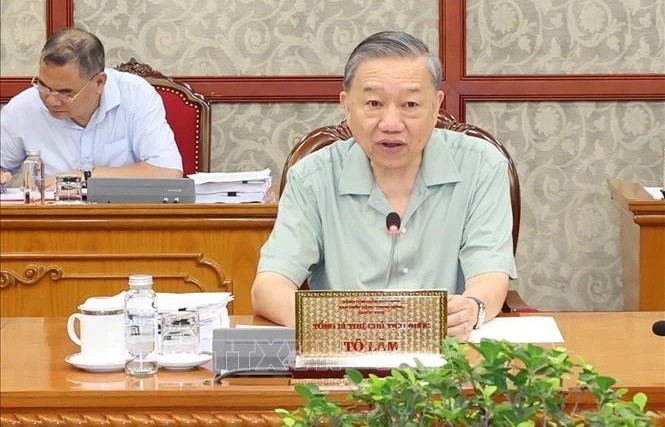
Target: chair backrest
187	112
326	135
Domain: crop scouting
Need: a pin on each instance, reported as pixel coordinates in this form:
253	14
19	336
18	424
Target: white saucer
182	362
80	362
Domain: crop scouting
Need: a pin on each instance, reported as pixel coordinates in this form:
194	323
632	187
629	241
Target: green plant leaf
354	375
308	391
640	399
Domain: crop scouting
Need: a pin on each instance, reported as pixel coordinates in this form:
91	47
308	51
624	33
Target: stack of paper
231	187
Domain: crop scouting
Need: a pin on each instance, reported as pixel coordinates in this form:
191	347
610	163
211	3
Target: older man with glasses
87	119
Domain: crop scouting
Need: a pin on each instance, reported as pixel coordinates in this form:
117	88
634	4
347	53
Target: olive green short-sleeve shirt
331	222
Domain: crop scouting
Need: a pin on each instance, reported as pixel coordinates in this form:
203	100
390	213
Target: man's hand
5	177
462	315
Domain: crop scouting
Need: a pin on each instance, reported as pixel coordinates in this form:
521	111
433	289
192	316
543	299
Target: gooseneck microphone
393	224
658	328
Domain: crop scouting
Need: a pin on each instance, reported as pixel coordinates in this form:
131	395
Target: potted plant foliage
509	385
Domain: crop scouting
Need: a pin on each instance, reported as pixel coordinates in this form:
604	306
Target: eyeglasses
63	97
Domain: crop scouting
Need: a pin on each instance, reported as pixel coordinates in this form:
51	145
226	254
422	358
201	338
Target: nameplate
369	328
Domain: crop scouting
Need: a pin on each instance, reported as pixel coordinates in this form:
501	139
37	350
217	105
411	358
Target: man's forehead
68	69
376	74
373	87
66	75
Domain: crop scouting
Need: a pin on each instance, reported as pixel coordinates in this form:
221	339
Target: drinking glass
180	333
68	189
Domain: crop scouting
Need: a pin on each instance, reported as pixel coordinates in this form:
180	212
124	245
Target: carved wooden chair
187	112
323	136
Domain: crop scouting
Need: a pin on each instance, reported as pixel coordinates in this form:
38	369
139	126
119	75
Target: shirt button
405	270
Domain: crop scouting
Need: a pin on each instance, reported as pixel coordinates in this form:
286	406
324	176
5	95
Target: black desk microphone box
141	190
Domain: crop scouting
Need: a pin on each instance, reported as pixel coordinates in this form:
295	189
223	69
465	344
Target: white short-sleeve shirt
128	127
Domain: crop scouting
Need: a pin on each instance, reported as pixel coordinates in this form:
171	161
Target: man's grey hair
392	43
75	45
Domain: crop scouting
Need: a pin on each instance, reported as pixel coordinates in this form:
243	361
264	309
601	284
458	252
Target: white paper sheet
528	329
15	194
203	177
654	192
260	326
226	198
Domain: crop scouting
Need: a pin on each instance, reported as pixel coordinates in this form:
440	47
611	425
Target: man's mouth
391	144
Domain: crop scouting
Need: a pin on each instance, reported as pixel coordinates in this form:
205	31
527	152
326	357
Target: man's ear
100	81
440	96
344	102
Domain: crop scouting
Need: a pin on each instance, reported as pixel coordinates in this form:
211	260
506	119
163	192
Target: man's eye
411	104
373	103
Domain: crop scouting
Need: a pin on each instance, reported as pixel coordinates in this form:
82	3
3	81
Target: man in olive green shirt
451	191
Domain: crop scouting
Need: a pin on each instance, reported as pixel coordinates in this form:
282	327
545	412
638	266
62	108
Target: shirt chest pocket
117	153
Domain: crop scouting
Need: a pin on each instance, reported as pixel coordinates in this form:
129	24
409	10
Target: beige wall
568	251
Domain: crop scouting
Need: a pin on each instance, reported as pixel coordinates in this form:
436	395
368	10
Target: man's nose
391	121
52	100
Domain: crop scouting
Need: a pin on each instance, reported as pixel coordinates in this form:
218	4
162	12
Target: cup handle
70	328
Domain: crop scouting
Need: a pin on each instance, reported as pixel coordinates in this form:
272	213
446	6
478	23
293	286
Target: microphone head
393	222
658	328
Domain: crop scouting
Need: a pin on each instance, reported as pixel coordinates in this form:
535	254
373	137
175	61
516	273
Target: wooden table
36	384
53	257
642	237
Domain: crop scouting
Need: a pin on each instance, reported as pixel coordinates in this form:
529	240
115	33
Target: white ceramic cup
102	329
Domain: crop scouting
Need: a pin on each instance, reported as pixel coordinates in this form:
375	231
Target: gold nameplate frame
369	328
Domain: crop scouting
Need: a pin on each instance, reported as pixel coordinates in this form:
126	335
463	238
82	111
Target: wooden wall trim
326	89
59	14
10	86
234	89
267	88
451	26
558	88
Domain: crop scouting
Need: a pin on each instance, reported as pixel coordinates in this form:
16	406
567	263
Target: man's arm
491	288
153	140
136	170
273	297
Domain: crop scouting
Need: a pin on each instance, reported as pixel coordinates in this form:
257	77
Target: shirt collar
110	96
438	167
356	176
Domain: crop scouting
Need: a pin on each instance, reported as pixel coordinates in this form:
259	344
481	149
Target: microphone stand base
322	372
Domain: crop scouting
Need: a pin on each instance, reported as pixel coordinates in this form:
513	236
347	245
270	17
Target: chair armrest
515	304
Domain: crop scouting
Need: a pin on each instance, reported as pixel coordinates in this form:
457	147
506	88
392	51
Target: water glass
180	333
68	189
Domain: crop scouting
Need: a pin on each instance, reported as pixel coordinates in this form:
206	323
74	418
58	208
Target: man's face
391	109
77	97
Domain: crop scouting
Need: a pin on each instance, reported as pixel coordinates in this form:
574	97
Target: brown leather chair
326	135
187	112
